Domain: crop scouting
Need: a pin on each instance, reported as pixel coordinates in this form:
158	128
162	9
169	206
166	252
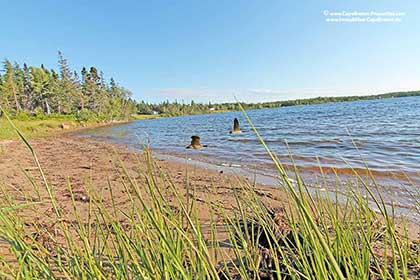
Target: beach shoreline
79	161
87	170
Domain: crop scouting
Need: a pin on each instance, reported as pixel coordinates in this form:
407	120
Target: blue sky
213	50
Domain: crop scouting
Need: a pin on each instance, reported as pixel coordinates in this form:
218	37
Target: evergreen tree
18	77
58	101
40	81
28	97
67	85
2	95
37	89
9	87
89	88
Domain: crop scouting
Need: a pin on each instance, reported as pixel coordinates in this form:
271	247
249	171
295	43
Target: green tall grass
312	237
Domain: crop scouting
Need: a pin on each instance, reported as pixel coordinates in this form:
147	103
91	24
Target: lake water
386	133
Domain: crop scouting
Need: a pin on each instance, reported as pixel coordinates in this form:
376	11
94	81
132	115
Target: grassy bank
33	127
49	126
158	234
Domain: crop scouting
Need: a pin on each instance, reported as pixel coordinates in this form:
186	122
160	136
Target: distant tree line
37	91
176	108
312	101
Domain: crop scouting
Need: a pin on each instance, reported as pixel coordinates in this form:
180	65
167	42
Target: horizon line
284	100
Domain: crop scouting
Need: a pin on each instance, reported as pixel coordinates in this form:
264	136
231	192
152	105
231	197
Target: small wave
291	142
230	165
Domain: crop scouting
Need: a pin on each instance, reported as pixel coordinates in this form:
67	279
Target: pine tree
40	81
79	99
35	89
93	92
113	88
88	89
102	94
18	77
9	87
68	86
29	99
57	99
2	95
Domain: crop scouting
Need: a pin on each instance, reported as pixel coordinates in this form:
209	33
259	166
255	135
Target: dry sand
85	164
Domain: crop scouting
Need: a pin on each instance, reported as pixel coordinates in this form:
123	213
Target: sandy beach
97	171
210	140
91	166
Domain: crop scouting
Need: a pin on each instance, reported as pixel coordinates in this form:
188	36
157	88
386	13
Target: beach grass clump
158	234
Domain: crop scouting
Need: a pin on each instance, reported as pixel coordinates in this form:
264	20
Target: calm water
387	133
